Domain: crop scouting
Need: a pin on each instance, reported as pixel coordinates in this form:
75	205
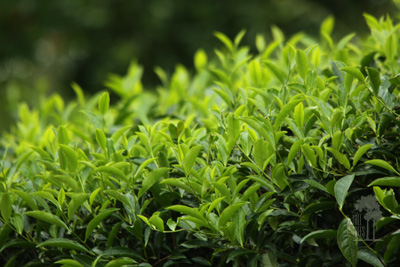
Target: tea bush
253	160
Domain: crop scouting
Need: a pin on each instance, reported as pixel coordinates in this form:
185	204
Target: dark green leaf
347	238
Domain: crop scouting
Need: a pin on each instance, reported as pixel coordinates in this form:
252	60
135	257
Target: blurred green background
45	45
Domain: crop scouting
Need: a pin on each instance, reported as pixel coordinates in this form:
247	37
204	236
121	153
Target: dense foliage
253	160
47	44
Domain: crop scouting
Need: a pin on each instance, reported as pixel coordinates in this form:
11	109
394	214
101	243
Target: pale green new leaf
101	139
301	63
190	158
225	40
383	164
294	149
360	152
104	103
157	222
386	181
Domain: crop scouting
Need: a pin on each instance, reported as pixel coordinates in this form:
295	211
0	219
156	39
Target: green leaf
387	181
261	153
177	183
151	179
393	245
101	139
62	135
239	37
284	112
318	206
320	234
264	182
187	210
224	191
18	222
269	260
47	217
301	63
27	198
97	220
294	149
120	197
225	40
327	25
368	256
69	263
299	115
347	239
344	41
43	154
76	202
341	188
63	243
112	171
215	203
79	93
120	262
310	154
190	158
259	127
228	213
316	185
375	79
355	72
390	46
340	157
276	70
121	252
200	59
104	103
360	152
382	164
236	253
69	153
233	126
6	206
157	222
113	233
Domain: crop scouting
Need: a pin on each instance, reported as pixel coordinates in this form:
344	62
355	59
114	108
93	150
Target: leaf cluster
253	160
